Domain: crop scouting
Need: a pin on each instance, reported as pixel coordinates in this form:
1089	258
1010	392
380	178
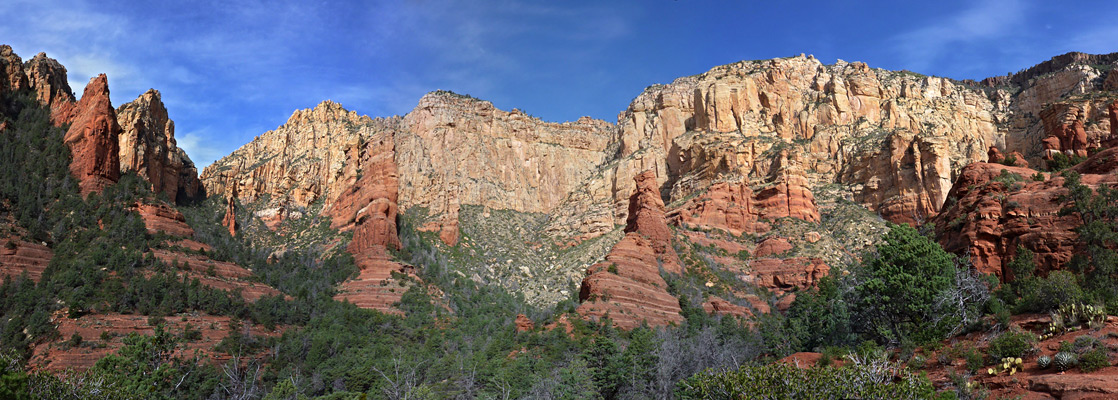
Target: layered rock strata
627	286
368	207
147	145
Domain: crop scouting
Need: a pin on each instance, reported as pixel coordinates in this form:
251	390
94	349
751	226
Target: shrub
1094	360
1085	343
75	340
786	381
1011	343
897	298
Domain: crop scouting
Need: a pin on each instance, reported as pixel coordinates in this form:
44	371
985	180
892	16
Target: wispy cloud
202	149
984	21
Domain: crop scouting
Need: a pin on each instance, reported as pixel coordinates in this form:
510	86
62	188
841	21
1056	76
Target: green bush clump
1012	343
1094	360
782	381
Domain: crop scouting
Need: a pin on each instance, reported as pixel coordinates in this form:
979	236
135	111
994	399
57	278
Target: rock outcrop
229	221
162	218
18	257
797	118
1065	131
368	207
299	163
993	208
92	138
12	67
48	79
627	286
147	145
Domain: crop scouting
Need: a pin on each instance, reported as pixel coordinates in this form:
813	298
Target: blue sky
230	70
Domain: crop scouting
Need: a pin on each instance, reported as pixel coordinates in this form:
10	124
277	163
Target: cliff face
454	150
299	163
92	138
797	120
12	68
147	145
994	208
759	150
48	79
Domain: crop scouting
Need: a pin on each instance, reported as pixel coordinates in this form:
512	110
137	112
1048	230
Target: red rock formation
726	206
783	275
994	156
12	68
789	197
734	208
1112	112
48	79
523	324
627	286
230	219
1063	124
772	246
54	355
18	256
989	220
147	145
161	218
92	138
646	217
368	207
716	305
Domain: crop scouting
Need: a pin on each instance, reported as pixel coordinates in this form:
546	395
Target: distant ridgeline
760	210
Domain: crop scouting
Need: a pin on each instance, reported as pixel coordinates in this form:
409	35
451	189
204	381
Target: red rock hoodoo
627	286
368	207
92	138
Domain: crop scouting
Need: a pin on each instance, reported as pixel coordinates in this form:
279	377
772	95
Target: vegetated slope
86	238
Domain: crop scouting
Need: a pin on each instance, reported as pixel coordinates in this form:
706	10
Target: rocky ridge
746	149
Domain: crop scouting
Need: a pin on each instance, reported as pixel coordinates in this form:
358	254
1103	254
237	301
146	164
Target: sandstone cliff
92	138
455	150
995	208
12	67
147	145
299	163
48	79
746	149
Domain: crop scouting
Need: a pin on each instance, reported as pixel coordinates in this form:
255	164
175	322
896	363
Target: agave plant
1064	361
1044	362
